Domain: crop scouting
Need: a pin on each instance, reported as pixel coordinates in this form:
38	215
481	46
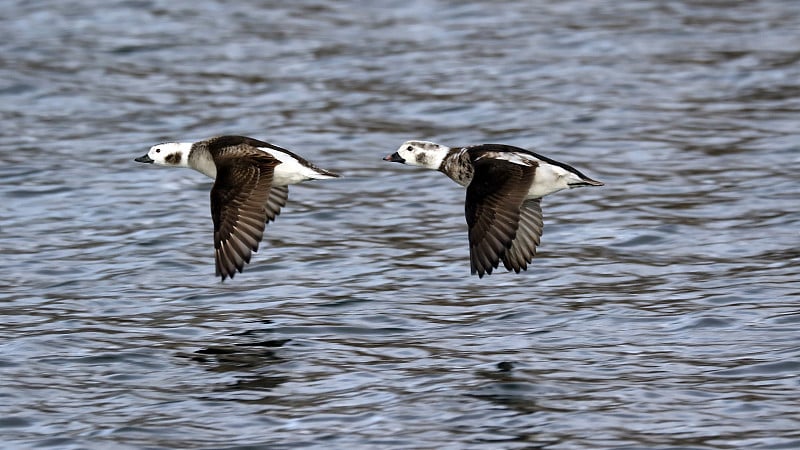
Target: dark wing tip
230	273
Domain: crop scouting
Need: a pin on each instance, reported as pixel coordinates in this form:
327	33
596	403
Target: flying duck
251	179
505	186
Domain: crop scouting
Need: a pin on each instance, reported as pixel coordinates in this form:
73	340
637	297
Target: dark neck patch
458	166
174	158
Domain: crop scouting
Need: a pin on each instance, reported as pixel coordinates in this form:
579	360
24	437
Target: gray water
661	312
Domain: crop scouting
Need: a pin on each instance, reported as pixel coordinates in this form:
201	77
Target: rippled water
661	312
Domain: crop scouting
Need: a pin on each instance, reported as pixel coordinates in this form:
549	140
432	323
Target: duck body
251	179
505	185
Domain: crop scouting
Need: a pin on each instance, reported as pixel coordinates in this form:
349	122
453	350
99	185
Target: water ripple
660	311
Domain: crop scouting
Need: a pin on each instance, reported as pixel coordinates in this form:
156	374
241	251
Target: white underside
290	171
548	179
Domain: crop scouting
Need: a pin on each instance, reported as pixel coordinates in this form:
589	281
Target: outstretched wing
241	204
494	198
529	234
277	200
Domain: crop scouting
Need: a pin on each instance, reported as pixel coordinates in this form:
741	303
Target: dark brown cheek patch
420	158
173	158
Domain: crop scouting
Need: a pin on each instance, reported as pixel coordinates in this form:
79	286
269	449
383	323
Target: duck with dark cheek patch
174	158
505	186
251	185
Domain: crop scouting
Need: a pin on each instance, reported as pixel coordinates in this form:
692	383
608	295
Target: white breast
201	161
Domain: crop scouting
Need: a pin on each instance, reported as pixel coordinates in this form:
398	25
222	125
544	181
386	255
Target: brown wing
494	198
529	234
241	204
277	200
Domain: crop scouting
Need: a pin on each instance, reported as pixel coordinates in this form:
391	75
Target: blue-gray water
662	311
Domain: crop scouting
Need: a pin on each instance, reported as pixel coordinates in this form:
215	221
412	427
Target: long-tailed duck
505	186
250	187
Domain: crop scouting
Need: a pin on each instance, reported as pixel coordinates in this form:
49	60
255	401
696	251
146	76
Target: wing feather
240	205
493	207
528	236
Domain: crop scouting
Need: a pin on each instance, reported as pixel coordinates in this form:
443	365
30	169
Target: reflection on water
660	311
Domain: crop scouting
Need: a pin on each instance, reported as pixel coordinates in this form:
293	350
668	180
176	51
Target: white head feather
423	153
175	154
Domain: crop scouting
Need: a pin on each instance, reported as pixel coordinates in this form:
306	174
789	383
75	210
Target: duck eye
158	150
410	148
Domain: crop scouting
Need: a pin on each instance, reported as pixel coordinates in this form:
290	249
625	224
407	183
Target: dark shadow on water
251	363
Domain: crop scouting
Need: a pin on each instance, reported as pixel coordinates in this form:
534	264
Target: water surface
661	311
